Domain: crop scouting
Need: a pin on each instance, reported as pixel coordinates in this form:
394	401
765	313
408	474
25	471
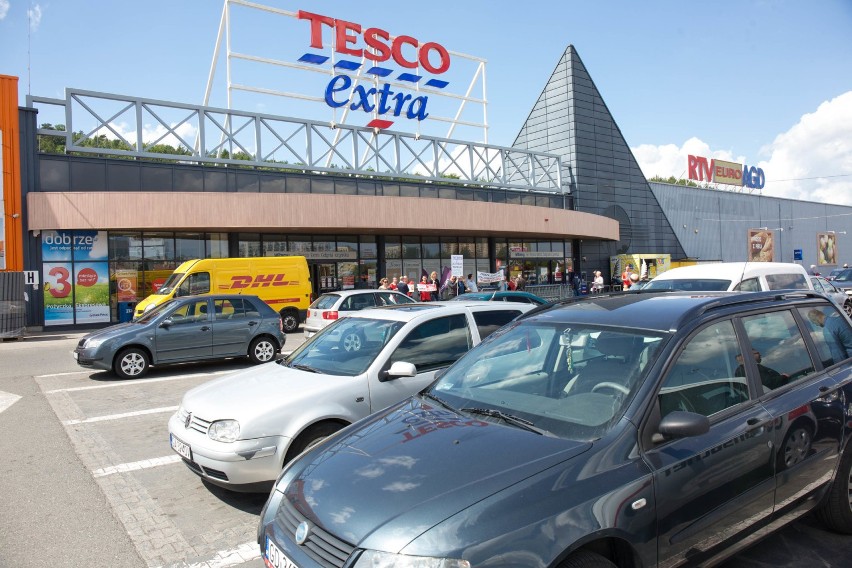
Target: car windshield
170	284
154	312
690	285
571	381
845	276
347	347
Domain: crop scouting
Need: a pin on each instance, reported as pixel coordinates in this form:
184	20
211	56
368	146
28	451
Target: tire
847	307
352	342
586	559
262	350
310	438
836	510
131	363
290	321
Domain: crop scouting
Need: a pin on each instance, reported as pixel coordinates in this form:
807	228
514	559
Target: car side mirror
680	424
397	370
167	323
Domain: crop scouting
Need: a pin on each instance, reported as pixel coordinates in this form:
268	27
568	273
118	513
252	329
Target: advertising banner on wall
826	248
761	245
58	301
126	284
91	292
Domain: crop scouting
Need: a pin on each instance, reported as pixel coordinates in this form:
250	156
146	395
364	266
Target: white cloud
4	8
811	161
34	16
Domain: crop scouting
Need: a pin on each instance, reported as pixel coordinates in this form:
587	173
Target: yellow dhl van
283	282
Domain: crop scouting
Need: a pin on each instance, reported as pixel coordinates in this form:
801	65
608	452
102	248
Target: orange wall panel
13	238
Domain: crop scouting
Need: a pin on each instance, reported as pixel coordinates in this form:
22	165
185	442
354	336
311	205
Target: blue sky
760	82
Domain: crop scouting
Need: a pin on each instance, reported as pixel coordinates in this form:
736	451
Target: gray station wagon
190	328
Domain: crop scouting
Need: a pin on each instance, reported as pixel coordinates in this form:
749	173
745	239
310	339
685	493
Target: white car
733	277
238	431
333	305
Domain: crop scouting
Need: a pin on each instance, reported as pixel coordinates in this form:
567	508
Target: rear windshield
787	282
325	302
690	285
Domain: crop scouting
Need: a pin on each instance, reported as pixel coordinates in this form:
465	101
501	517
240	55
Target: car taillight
329	315
308	314
281	325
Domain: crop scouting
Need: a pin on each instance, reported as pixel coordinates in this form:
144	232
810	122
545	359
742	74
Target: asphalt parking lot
116	433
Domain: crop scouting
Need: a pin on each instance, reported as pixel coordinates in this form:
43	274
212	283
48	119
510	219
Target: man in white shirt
471	284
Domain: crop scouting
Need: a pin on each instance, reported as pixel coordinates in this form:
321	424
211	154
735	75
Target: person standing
836	332
625	277
597	283
471	284
425	295
436	282
402	286
521	284
383	284
394	283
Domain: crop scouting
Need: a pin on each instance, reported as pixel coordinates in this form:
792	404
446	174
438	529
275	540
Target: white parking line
139	381
136	466
61	374
225	558
122	415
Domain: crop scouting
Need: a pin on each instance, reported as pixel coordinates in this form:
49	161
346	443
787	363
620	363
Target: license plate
275	558
181	447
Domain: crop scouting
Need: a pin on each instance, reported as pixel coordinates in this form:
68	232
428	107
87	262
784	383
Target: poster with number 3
58	300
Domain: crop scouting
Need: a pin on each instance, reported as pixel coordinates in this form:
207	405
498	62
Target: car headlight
94	342
376	559
224	430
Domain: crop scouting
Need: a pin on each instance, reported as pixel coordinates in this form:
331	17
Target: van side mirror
680	424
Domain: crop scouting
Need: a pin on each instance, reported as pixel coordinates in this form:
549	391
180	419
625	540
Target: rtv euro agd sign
729	173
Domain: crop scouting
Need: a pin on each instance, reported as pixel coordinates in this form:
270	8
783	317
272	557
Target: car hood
409	467
258	396
113	331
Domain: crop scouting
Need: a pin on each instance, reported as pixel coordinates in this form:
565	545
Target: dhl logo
261	280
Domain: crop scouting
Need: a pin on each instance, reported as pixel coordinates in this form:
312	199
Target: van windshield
690	285
169	285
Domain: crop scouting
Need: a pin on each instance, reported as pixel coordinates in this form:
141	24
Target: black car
659	429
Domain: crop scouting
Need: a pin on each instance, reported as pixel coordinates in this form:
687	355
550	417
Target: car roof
661	311
410	312
346	293
730	270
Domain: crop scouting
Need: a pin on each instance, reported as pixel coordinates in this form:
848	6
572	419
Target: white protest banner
490	277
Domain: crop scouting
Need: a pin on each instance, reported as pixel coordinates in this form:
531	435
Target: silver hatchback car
333	305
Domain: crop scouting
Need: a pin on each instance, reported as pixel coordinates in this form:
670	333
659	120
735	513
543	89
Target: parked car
836	295
505	296
733	277
189	328
833	274
238	431
843	280
614	430
333	305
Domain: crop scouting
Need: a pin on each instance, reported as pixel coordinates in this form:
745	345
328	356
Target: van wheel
262	350
586	559
836	510
847	307
131	363
290	321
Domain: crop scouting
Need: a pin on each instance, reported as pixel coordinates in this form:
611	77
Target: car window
704	376
357	302
190	312
690	285
518	299
748	285
224	309
392	299
324	302
777	349
434	344
830	332
817	285
490	321
786	282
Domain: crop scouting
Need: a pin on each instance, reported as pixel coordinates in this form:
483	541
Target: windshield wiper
303	367
509	418
430	396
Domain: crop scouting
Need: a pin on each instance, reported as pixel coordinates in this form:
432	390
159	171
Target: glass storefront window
158	246
189	246
248	244
411	247
501	249
217	245
369	249
467	248
299	245
324	244
346	273
482	248
154	275
431	248
347	244
274	245
368	274
393	248
449	247
125	246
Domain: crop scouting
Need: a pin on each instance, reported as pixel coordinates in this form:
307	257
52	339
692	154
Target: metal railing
133	127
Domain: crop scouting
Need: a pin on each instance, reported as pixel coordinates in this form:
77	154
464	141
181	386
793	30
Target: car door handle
205	328
252	323
757	422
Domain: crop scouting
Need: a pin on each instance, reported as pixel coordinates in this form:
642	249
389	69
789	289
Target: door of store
324	277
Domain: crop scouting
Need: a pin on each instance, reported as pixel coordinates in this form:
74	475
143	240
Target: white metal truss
145	128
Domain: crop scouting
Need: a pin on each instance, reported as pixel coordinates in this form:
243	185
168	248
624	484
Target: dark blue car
627	430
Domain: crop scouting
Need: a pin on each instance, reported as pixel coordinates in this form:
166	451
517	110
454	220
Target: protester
471	284
425	295
436	282
402	285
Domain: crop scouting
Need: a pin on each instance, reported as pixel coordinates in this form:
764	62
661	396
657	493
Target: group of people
429	288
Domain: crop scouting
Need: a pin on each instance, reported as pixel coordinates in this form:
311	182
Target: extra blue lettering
364	99
345	81
421	109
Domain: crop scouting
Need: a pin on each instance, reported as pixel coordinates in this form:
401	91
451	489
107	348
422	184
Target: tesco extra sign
376	46
720	171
